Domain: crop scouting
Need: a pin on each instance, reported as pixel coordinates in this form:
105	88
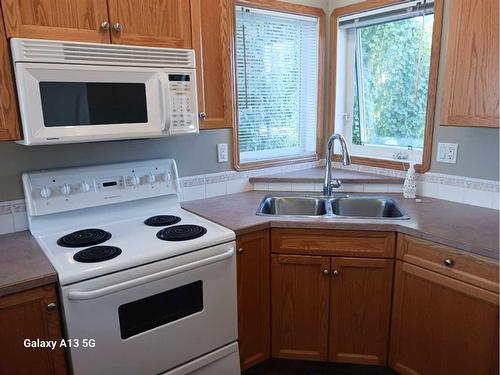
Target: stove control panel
62	190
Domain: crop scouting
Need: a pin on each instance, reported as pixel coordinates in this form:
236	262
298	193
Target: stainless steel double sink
341	206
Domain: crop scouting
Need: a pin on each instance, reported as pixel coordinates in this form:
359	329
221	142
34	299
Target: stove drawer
153	318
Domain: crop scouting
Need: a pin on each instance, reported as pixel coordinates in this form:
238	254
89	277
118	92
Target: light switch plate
222	153
447	153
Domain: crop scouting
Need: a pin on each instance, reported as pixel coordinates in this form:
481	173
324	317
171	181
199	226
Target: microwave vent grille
33	50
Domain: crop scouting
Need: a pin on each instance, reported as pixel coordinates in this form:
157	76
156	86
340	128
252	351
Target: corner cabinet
328	302
253	297
471	85
32	314
9	119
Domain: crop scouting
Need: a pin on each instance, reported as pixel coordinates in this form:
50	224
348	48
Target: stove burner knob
84	187
134	180
65	190
45	192
151	178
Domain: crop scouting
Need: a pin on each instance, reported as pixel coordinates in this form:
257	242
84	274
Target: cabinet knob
51	306
105	25
118	27
335	273
240	250
449	262
326	272
203	115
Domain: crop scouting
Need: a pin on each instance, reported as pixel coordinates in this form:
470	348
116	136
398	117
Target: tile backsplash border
478	192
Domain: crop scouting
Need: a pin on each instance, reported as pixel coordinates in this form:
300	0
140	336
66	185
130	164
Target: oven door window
93	103
154	311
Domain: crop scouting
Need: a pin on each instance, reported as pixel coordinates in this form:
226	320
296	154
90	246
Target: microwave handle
164	101
91	294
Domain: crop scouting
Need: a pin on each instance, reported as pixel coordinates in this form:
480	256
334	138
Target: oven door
86	103
150	319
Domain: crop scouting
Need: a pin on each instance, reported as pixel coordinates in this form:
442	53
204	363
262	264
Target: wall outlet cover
447	152
222	153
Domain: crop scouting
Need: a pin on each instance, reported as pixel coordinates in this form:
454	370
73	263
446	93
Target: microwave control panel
183	108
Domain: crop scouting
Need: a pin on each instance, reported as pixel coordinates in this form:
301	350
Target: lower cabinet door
30	316
360	300
299	300
254	312
442	326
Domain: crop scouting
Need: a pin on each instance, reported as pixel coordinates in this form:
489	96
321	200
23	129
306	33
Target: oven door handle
91	294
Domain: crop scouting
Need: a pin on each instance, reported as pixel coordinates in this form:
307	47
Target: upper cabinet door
471	88
9	120
76	20
211	21
156	23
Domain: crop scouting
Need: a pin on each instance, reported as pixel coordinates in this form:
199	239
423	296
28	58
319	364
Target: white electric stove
153	286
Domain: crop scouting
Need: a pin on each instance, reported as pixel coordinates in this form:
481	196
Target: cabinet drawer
448	261
364	244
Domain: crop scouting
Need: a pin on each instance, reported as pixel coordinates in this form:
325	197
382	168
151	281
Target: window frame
302	10
432	86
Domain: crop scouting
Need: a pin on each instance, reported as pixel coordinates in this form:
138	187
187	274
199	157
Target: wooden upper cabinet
76	20
299	306
32	314
155	23
211	25
361	291
471	87
442	326
9	119
254	314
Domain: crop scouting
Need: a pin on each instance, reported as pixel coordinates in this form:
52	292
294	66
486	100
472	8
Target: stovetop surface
138	243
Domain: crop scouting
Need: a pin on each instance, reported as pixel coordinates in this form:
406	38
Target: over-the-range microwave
73	92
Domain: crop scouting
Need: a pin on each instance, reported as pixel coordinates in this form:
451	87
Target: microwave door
83	103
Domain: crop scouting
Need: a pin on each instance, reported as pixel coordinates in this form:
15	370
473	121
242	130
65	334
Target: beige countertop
469	228
23	264
316	175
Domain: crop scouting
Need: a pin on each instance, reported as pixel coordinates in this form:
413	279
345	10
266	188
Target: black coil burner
181	233
96	254
162	220
85	237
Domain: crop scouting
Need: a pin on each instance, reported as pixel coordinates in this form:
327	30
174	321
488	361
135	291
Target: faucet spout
328	184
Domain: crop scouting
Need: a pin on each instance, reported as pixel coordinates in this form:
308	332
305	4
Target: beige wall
477	156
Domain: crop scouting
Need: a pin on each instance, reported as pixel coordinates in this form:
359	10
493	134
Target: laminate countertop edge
475	233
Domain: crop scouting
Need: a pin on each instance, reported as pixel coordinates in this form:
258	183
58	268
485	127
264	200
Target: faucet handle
336	183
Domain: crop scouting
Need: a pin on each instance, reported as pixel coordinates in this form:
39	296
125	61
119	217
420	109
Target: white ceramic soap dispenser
410	184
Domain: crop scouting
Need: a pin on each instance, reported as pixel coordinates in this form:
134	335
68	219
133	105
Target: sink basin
358	207
367	208
292	206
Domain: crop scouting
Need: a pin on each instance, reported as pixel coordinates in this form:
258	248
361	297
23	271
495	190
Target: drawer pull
326	272
336	272
240	250
51	306
449	262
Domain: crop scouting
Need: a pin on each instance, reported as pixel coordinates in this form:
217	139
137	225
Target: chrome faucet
328	184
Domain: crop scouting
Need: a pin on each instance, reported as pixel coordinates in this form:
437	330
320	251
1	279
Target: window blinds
400	11
277	80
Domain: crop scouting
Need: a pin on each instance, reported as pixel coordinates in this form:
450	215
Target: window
383	80
277	65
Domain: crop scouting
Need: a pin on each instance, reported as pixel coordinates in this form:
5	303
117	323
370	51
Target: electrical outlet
222	152
447	152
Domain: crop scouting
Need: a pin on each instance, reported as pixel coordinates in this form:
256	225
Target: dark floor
287	367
